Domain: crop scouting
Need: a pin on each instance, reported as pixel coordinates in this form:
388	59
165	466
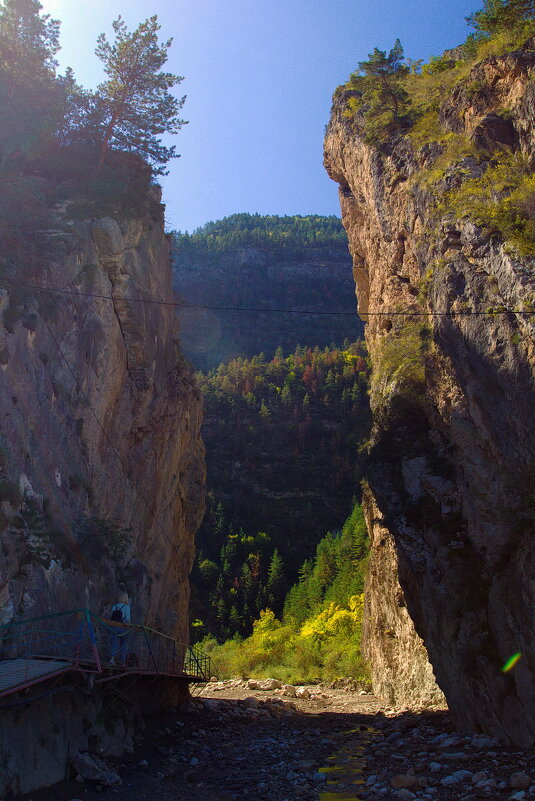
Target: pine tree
264	411
276	582
286	395
31	99
134	107
383	99
498	15
29	41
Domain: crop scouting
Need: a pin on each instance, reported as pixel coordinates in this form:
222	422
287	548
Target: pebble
404	781
263	748
520	781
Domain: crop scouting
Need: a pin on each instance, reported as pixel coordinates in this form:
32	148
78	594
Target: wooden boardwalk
19	673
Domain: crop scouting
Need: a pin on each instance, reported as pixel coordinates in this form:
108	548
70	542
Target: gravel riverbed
238	740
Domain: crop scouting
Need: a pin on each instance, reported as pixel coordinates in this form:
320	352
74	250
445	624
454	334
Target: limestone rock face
450	511
100	423
402	672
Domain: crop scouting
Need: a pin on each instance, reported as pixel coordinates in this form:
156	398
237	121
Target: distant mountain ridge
250	261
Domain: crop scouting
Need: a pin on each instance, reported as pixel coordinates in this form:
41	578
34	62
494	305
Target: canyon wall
451	504
101	461
101	470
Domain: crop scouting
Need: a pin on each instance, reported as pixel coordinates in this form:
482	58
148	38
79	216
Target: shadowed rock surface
451	470
100	422
57	466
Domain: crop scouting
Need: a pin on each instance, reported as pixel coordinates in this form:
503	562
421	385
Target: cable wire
178	304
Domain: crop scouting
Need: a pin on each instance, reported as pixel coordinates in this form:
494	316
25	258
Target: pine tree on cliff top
31	97
28	41
134	107
382	97
498	15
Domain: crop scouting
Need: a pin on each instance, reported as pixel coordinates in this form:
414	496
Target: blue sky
259	77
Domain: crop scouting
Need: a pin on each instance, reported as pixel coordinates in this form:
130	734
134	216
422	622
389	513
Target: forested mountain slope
251	261
282	439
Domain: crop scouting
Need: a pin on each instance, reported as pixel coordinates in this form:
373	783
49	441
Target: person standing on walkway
120	613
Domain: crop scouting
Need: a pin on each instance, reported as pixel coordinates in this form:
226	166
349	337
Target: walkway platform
38	649
16	674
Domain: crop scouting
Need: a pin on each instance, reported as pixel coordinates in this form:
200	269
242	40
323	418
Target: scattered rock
289	690
404	780
269	684
456	778
94	769
520	781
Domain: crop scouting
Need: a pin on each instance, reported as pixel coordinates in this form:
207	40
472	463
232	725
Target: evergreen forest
250	283
317	635
282	439
257	230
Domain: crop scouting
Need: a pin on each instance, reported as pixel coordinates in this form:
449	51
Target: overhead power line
260	310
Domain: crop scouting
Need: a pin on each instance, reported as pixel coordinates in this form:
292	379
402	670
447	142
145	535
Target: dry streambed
268	742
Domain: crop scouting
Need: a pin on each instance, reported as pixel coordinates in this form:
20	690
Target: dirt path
236	742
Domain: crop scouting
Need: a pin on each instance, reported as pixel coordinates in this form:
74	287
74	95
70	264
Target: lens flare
511	662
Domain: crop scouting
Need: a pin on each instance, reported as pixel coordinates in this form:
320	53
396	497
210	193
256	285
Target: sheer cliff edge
101	462
448	298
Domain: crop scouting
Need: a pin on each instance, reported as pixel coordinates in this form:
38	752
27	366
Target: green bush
502	199
400	361
102	535
319	634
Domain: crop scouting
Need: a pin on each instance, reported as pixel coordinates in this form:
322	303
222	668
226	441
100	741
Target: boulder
251	702
289	690
269	684
94	769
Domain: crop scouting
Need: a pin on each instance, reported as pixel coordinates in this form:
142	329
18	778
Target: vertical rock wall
402	673
452	452
100	420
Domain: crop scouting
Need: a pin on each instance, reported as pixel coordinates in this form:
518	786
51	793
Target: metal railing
33	650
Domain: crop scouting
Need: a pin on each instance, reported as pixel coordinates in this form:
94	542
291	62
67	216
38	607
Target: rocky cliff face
100	423
451	464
